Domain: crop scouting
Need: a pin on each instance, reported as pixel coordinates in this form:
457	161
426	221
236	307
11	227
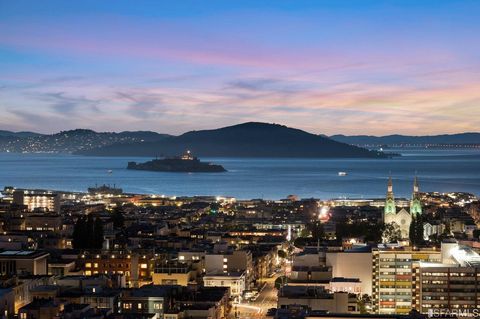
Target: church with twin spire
402	218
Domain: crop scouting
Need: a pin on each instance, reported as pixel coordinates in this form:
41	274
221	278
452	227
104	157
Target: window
127	306
139	306
88	265
157	306
143	266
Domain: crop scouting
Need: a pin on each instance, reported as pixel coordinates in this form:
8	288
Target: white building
234	281
353	264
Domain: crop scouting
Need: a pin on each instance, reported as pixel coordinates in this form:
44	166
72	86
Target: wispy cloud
63	104
142	106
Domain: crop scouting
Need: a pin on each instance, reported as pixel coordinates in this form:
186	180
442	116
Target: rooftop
22	254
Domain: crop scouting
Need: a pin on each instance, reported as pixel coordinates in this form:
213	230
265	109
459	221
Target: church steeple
390	207
415	203
415	185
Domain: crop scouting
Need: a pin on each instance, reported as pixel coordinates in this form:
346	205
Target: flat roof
23	254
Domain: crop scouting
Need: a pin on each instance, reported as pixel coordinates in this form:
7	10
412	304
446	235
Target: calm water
441	171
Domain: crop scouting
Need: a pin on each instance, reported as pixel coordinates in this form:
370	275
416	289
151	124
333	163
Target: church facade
402	217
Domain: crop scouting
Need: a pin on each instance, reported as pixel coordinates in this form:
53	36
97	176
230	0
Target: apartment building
37	199
395	277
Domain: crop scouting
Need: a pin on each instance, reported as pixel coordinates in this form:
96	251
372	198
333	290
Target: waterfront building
37	199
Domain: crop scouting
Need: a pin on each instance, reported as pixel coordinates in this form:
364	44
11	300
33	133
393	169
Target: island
185	163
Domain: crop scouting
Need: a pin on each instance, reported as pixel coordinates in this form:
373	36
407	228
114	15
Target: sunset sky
350	67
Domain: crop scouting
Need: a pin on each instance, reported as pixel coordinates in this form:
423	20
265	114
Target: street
266	299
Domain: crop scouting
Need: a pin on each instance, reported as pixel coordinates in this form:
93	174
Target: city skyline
327	67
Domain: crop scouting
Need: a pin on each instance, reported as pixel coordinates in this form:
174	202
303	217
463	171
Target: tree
87	233
300	242
90	240
317	230
416	231
304	233
370	231
280	281
117	217
78	236
447	231
391	233
362	302
419	230
98	233
476	233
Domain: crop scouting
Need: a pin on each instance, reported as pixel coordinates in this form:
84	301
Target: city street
266	299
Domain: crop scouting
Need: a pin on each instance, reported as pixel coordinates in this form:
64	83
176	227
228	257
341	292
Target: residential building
235	281
394	271
314	297
37	199
174	273
32	262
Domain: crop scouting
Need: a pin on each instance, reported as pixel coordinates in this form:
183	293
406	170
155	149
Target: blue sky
351	67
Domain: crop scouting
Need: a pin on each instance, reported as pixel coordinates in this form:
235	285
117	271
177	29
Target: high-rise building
447	287
426	280
394	277
452	286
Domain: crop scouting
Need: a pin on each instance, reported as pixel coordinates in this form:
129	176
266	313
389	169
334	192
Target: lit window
88	265
143	266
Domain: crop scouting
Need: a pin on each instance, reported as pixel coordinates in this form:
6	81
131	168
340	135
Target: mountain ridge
250	139
87	140
69	141
397	139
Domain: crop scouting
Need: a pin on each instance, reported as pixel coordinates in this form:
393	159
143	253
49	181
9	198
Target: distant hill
244	140
18	134
70	141
397	140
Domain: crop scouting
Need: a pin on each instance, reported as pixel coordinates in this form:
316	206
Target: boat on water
342	174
